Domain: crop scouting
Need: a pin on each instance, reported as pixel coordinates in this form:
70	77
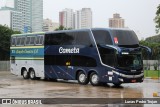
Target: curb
154	78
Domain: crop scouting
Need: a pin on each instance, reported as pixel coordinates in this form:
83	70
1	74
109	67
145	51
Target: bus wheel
25	74
82	78
32	74
94	79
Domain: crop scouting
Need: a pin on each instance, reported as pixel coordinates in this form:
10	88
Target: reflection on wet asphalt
12	86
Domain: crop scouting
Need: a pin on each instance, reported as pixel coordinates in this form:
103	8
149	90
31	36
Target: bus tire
25	74
32	74
82	78
94	79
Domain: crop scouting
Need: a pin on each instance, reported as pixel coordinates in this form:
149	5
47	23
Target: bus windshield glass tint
130	62
124	37
102	37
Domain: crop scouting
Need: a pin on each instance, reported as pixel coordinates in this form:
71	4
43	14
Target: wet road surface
12	86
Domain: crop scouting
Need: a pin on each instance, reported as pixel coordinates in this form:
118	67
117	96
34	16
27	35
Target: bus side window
32	41
28	40
102	37
18	41
82	38
23	41
53	39
13	42
39	40
68	38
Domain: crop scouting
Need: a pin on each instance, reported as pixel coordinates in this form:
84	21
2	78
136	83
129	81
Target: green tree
62	28
155	49
157	19
5	35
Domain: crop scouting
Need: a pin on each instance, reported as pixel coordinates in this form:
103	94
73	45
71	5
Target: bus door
13	65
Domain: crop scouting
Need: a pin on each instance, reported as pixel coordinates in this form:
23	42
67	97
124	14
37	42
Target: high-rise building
11	18
76	20
116	21
66	18
30	13
24	6
36	15
86	18
47	25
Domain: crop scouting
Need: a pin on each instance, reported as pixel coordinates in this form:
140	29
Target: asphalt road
12	86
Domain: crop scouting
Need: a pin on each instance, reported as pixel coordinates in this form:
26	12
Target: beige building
55	25
48	25
116	21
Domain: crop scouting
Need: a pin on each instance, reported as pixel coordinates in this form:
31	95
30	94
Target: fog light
120	79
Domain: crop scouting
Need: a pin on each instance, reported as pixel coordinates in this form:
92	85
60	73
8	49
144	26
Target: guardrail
4	65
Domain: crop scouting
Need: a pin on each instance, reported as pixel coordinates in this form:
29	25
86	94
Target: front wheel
25	74
82	78
94	79
32	75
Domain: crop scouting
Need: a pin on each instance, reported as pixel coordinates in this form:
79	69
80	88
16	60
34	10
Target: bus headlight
120	79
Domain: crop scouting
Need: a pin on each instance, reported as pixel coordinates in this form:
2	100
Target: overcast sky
138	14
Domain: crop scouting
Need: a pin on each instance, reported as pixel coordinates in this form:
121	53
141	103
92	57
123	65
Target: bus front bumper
123	78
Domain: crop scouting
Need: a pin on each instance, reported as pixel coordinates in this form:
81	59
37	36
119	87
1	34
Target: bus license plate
133	81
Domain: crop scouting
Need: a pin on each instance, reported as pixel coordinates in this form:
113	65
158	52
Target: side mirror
149	51
118	50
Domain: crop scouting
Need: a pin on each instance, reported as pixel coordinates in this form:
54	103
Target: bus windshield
129	62
124	37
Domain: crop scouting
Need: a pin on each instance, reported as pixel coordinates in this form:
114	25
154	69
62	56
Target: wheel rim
82	78
95	79
32	74
25	73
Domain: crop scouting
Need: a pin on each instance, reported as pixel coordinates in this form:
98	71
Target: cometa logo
68	50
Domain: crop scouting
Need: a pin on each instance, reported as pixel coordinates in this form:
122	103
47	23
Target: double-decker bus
98	55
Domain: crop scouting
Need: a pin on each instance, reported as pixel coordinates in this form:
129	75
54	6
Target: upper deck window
68	38
22	41
13	42
30	40
82	38
39	40
102	37
18	41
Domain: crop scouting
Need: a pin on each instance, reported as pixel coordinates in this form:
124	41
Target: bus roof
24	34
74	30
112	29
71	31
